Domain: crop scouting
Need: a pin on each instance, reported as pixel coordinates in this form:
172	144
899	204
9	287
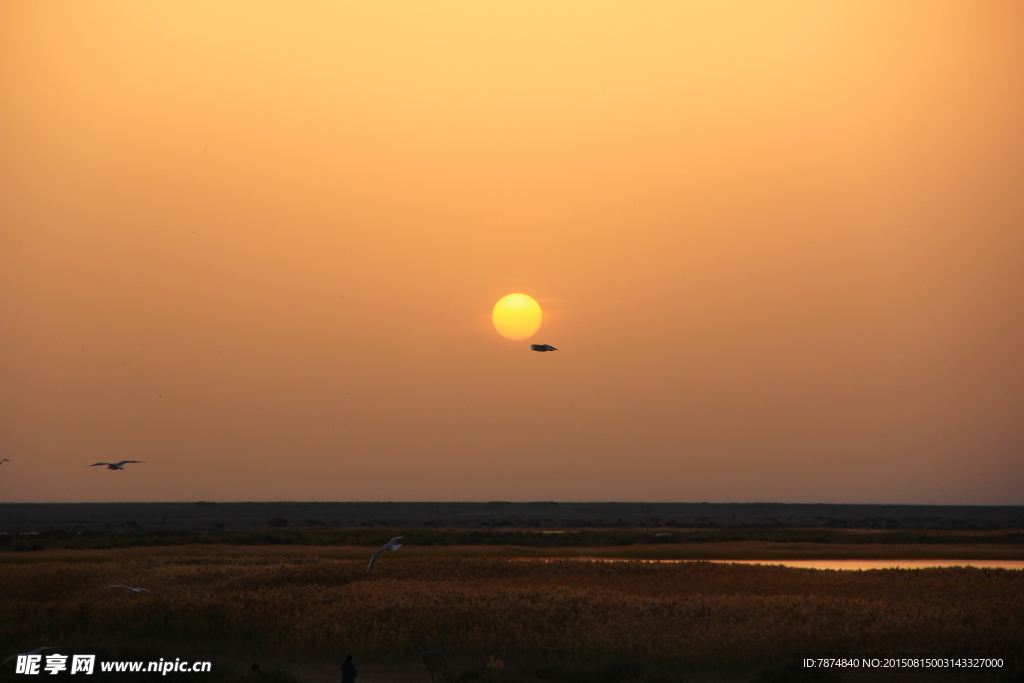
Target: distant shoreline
536	516
814	556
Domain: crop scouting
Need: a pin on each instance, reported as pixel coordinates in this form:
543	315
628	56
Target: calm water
846	565
885	564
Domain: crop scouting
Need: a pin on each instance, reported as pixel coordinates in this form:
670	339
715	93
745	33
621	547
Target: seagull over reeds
114	465
542	347
38	650
390	545
131	590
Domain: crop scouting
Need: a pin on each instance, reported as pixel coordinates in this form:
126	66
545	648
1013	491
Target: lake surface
842	565
860	565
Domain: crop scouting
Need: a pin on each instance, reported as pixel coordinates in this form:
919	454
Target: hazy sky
780	246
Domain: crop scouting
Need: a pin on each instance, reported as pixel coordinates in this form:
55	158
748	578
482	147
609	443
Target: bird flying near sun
114	465
516	316
542	347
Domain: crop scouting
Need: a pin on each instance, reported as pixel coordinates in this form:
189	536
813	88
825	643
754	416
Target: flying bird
542	347
114	465
390	545
4	460
131	590
38	650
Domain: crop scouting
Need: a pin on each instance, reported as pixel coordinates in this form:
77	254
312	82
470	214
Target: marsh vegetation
219	602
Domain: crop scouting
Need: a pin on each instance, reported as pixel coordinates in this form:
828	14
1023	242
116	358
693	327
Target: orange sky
256	245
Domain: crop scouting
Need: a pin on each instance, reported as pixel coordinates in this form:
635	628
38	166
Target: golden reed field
275	604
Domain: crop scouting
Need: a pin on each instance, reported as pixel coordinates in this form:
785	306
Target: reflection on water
848	565
885	564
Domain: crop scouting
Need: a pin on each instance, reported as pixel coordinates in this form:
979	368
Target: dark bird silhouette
542	347
114	465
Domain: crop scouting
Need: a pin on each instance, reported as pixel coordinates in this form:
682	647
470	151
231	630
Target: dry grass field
239	604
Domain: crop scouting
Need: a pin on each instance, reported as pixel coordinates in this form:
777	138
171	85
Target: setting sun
516	316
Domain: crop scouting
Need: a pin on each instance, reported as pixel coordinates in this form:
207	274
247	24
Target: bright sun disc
516	316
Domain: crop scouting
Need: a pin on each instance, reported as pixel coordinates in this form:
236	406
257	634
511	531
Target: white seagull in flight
542	347
38	650
130	589
114	465
390	545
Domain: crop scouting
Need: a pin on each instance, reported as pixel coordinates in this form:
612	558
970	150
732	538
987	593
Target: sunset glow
782	239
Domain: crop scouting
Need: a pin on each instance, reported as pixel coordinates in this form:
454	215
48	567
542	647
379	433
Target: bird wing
141	590
125	462
100	463
374	558
396	546
396	538
34	652
120	586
